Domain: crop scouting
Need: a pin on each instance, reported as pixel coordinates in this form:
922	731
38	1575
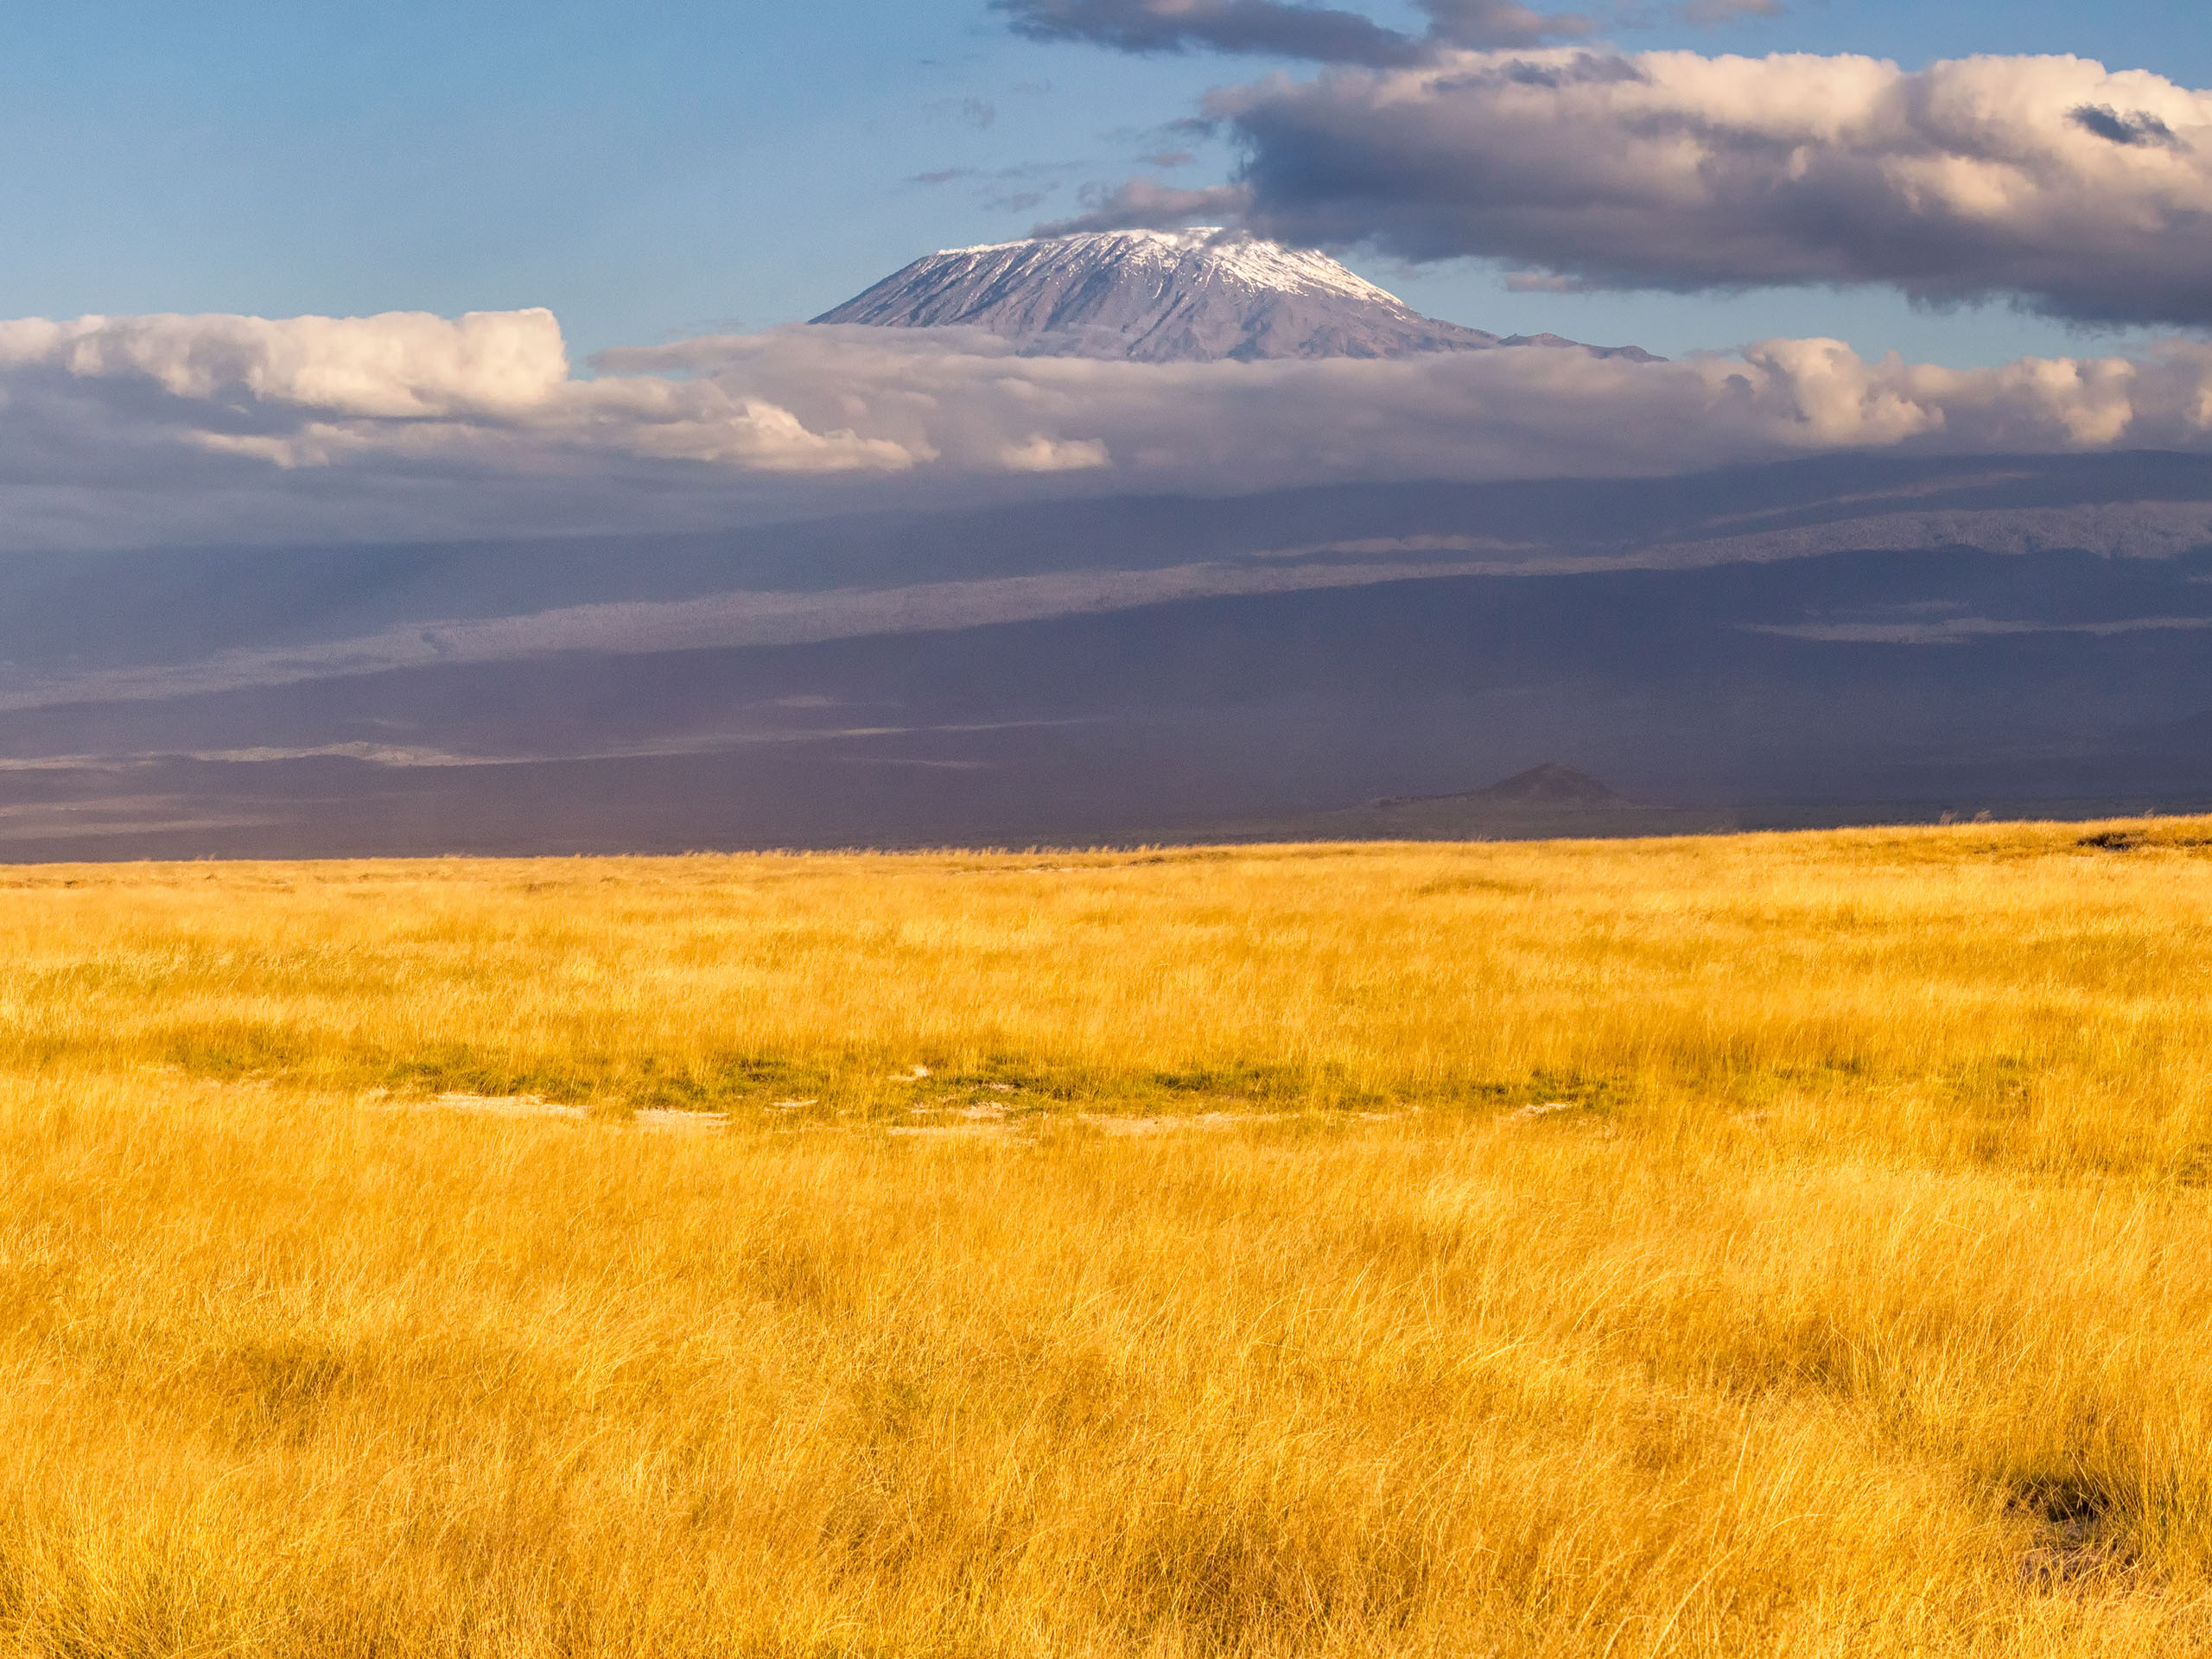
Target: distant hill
1548	785
1545	801
1168	296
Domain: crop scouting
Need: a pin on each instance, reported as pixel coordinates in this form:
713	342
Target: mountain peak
1158	297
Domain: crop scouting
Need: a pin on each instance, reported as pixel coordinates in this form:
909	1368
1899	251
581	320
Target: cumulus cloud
1279	29
977	407
126	430
2082	193
117	431
306	391
398	365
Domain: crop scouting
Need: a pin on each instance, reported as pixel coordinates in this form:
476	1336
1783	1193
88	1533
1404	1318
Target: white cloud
134	430
2084	193
974	406
400	365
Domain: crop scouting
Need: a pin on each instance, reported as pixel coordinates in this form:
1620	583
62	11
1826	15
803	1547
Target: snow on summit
1164	296
1208	249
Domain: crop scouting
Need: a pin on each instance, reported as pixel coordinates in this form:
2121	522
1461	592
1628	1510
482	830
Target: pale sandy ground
972	1120
652	1118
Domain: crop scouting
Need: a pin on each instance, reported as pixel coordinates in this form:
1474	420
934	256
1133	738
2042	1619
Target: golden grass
1853	1301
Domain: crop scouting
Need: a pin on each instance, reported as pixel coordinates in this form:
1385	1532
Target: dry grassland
1851	1296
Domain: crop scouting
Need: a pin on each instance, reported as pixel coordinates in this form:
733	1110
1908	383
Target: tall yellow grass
1847	1295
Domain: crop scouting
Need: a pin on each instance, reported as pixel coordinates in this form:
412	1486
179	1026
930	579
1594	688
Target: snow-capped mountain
1167	297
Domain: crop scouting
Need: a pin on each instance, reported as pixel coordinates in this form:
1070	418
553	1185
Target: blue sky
653	172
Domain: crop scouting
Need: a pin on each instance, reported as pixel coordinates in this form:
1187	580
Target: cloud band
117	431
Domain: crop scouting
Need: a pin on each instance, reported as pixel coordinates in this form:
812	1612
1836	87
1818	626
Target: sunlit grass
1849	1297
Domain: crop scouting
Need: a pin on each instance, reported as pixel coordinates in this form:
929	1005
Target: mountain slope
1849	629
1162	296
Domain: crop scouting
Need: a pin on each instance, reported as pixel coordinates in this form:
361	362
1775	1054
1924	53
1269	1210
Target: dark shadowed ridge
1168	296
1844	639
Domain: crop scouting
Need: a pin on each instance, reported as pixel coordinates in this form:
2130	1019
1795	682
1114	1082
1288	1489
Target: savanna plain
1791	1244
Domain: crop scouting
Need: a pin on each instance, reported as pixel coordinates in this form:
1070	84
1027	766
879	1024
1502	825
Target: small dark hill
1545	801
1548	788
1552	785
